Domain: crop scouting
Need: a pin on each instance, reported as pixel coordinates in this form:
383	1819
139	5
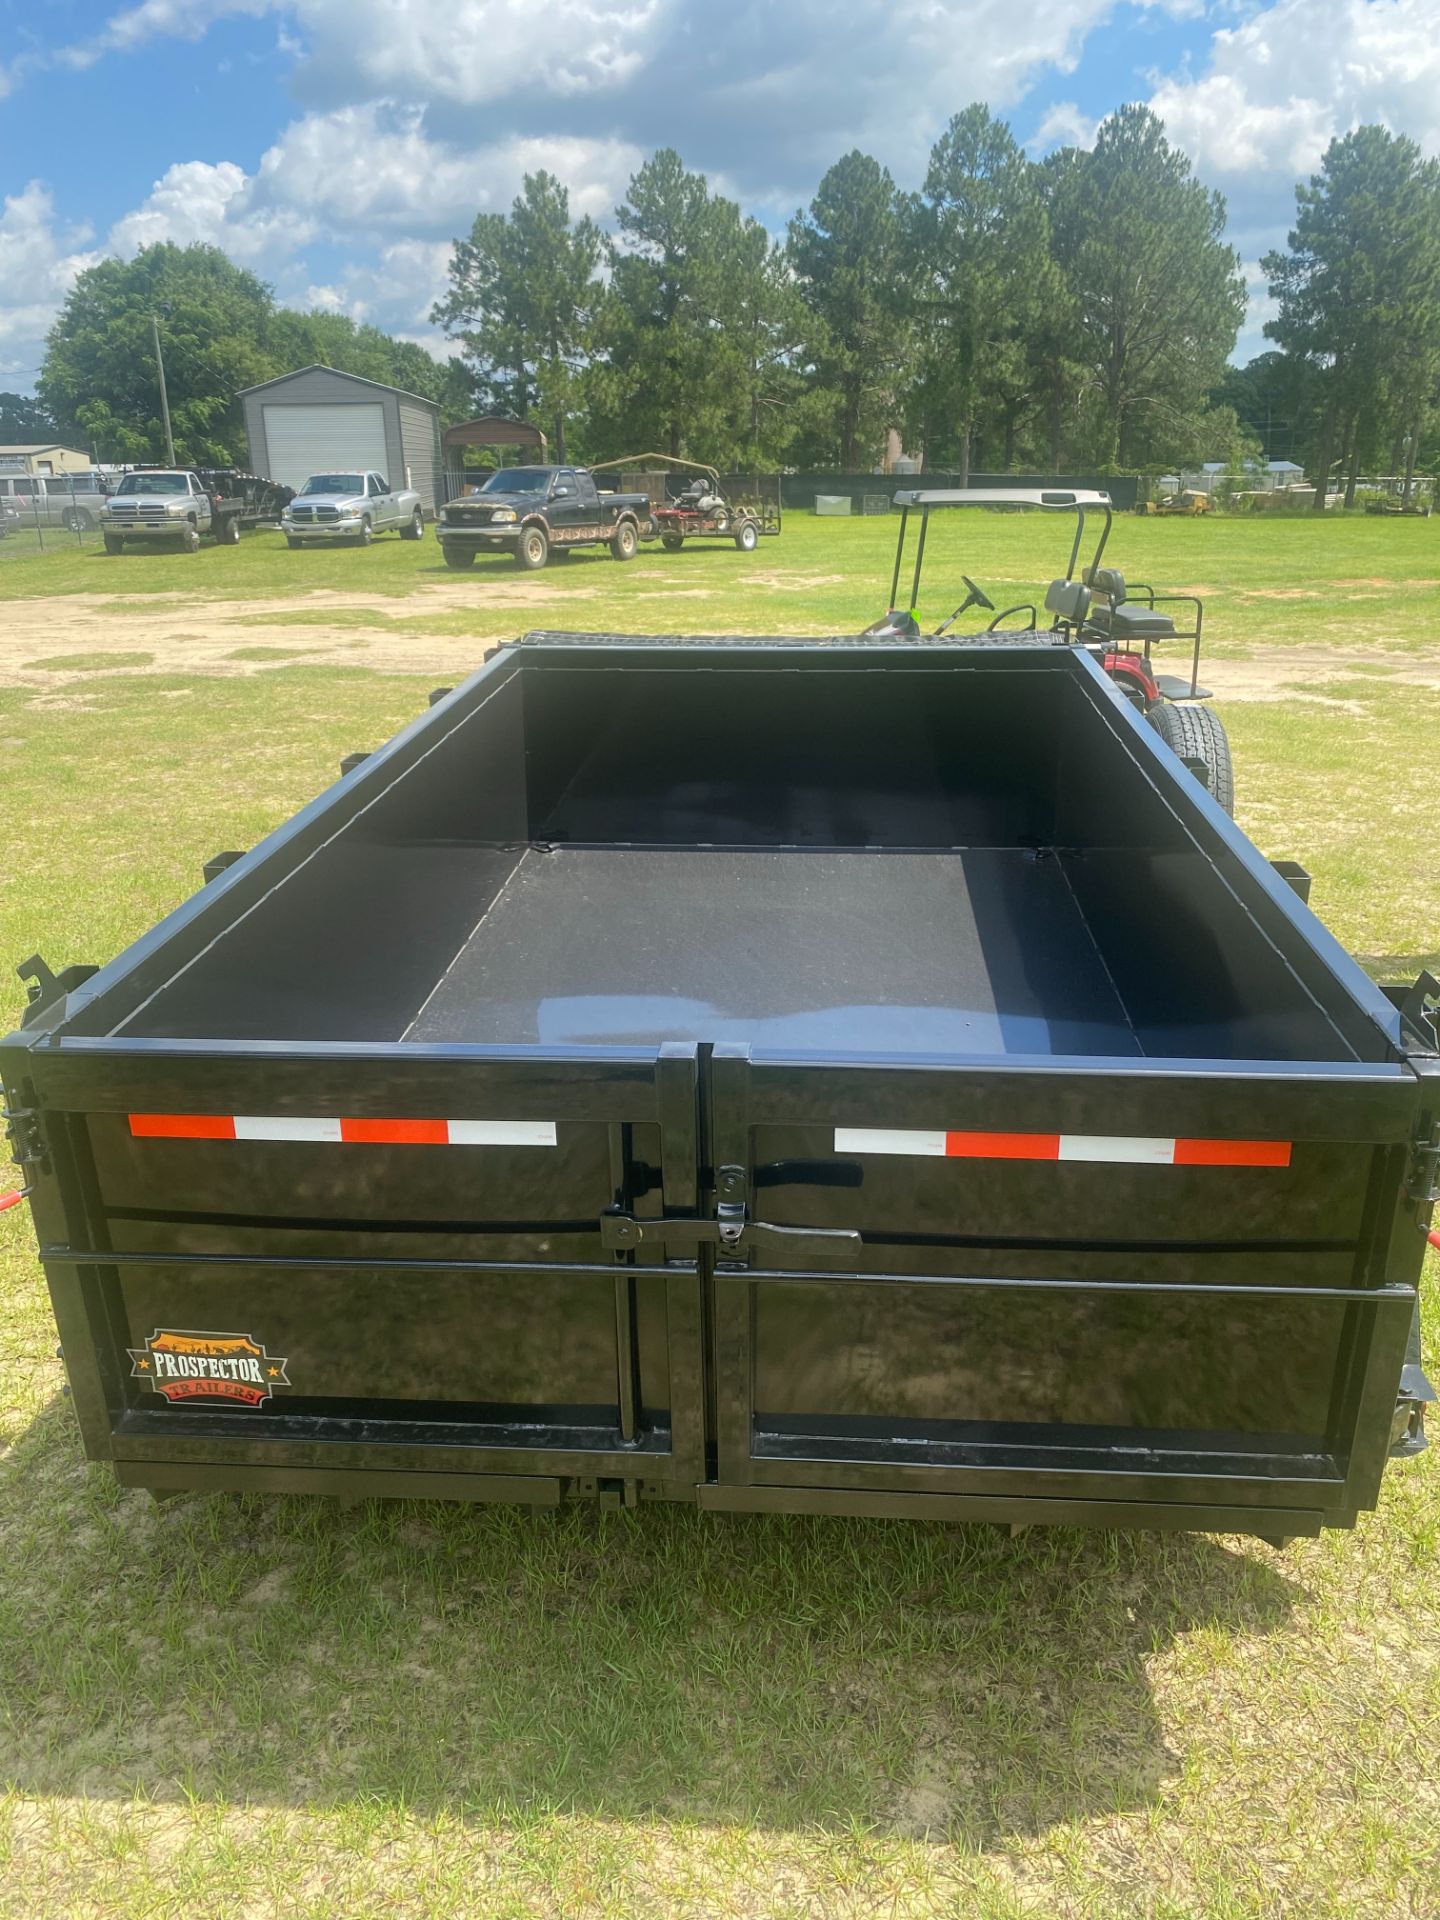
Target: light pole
164	397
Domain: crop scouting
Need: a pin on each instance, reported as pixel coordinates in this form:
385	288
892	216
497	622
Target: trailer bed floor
977	951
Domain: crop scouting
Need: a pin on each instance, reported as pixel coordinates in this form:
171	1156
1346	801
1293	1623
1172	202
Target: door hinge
27	1141
730	1229
1423	1183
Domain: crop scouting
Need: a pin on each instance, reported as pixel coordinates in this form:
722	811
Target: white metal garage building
319	419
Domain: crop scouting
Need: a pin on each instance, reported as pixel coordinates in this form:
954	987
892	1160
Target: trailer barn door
333	1271
1001	1294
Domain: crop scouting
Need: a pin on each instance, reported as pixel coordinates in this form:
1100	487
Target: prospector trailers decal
207	1369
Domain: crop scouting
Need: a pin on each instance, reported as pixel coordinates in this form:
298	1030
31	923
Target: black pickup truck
533	512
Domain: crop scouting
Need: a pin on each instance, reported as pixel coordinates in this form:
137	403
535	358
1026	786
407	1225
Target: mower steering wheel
974	597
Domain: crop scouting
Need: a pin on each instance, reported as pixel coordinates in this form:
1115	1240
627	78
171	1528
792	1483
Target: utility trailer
857	1076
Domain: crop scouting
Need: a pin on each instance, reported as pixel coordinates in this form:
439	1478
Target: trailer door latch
731	1231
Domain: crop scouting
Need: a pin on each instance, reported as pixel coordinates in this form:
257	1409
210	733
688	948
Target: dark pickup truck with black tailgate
533	512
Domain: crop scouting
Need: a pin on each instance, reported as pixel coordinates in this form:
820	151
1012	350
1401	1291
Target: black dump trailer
854	1076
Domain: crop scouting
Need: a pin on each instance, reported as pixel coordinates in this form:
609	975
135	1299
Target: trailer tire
625	541
533	550
229	534
114	542
748	538
457	557
415	528
1194	732
190	539
672	542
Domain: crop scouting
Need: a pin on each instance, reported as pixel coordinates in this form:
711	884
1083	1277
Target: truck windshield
334	483
518	480
154	483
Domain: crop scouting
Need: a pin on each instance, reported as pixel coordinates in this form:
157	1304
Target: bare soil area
47	644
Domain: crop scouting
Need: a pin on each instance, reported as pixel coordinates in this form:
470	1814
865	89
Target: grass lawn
245	1707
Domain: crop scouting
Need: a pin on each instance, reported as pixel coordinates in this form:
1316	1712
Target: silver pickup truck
351	506
171	504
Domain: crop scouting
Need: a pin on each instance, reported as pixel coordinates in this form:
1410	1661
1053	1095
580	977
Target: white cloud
394	290
1064	126
1279	87
133	27
198	201
476	51
374	168
39	261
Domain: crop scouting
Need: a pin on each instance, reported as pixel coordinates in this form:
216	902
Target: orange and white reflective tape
349	1133
1112	1148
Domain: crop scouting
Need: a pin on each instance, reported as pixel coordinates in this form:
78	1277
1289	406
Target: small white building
43	459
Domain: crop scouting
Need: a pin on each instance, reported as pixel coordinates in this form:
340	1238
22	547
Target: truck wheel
624	543
78	520
672	542
533	550
747	539
229	535
1197	734
415	530
366	533
114	542
190	539
458	557
294	542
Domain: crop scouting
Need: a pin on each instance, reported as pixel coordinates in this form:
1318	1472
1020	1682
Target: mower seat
1112	613
1130	623
1069	600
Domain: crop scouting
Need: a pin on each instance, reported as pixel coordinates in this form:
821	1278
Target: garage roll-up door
305	440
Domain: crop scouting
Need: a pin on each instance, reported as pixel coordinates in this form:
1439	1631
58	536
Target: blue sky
336	146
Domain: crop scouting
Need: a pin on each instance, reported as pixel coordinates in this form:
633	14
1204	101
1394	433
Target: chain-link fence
47	523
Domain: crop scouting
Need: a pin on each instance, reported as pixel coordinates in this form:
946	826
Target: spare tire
1196	734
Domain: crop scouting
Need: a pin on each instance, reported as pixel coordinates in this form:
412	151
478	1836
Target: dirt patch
1296	673
183	635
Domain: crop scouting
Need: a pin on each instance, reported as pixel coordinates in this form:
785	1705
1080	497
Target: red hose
1433	1236
11	1199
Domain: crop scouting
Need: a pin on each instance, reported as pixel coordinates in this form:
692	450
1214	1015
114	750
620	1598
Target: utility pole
164	397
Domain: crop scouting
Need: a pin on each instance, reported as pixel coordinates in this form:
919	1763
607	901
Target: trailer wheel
533	550
672	542
229	535
1197	734
114	542
457	557
625	542
190	539
416	529
747	539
